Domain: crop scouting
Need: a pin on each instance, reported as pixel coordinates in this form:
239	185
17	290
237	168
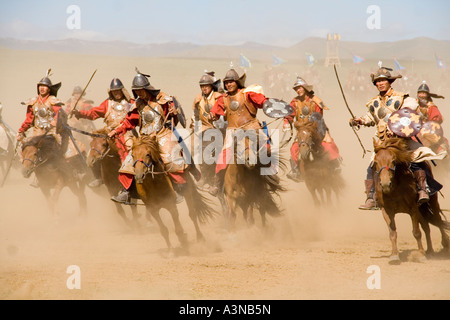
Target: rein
386	168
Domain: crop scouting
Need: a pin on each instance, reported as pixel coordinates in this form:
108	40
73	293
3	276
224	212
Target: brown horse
396	190
105	151
156	190
248	187
43	156
320	177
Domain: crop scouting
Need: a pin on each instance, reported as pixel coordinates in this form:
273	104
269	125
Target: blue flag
440	64
357	59
397	65
310	59
277	61
244	62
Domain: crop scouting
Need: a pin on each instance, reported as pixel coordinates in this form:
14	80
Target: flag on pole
277	61
440	63
357	59
397	65
310	59
244	62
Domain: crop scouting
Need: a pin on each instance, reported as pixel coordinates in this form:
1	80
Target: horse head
390	154
146	153
307	139
36	151
100	147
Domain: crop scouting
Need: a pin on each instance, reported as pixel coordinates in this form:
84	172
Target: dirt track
307	254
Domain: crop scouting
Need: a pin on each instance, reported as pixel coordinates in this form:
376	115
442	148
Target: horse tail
202	206
266	198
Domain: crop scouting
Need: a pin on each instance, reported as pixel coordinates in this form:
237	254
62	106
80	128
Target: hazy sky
228	22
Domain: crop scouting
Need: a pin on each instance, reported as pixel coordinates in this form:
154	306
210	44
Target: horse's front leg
416	231
390	221
162	228
172	208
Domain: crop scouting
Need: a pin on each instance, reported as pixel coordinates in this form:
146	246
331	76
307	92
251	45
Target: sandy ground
309	253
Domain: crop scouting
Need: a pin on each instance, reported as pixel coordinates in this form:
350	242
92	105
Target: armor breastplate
381	109
117	111
205	106
303	109
238	111
43	114
151	121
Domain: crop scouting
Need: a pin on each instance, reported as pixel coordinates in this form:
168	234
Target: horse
396	190
247	186
156	190
7	150
321	178
106	152
42	155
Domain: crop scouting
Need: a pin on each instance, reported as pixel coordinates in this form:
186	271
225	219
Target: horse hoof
394	260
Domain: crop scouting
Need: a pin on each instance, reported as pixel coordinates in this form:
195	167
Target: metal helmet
116	84
384	73
300	82
78	90
425	88
140	81
45	81
209	79
232	75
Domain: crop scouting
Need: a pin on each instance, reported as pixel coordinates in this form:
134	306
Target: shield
275	108
431	132
405	123
180	114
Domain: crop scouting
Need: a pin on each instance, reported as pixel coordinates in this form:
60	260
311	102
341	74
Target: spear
351	113
84	90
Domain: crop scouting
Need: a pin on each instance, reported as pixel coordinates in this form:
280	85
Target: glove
76	113
20	136
355	122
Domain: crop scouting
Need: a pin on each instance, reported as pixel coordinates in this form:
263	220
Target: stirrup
123	197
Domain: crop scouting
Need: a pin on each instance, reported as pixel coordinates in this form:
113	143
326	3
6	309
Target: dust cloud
308	253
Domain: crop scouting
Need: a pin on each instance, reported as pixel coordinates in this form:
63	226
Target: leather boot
421	180
179	189
96	171
123	197
218	184
294	174
370	203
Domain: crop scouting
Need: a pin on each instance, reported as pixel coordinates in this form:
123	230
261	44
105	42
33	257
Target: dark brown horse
250	184
156	190
396	190
43	156
105	151
320	177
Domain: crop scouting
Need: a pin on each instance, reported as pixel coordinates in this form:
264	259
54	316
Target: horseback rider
238	105
432	133
205	100
304	105
42	110
427	107
154	112
201	119
113	110
379	110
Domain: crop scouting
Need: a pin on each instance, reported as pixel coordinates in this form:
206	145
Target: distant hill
419	49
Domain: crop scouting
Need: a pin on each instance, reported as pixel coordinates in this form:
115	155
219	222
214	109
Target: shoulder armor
31	101
163	98
55	101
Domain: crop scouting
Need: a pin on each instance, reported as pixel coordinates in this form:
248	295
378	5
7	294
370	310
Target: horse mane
103	131
399	146
151	143
46	143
